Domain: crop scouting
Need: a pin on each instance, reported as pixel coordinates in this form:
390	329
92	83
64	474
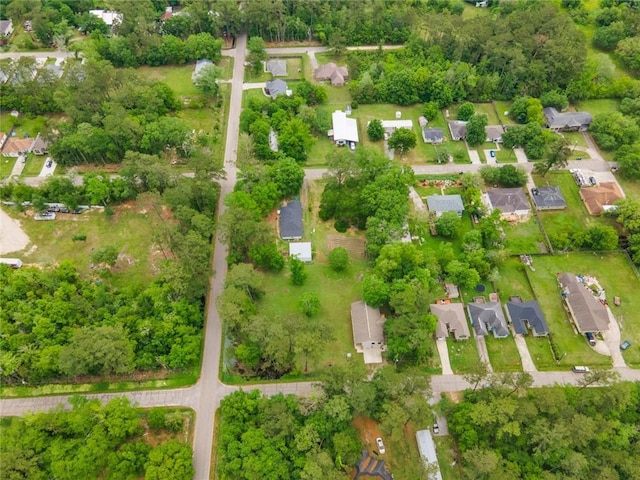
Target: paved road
56	54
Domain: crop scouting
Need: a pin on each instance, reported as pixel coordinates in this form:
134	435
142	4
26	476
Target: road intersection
204	397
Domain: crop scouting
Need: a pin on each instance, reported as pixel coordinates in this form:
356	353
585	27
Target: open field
480	108
463	354
34	165
336	292
178	78
631	187
573	218
434	242
502	107
130	229
22	125
524	237
596	107
617	278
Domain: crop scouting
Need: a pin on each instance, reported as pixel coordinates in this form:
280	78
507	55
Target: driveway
525	356
418	203
18	166
250	86
474	157
443	352
613	339
521	157
483	353
48	171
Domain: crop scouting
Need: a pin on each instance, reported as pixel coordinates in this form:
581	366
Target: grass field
130	230
503	353
573	218
177	78
22	125
631	187
596	107
336	292
463	355
33	166
503	107
616	277
6	166
524	237
434	242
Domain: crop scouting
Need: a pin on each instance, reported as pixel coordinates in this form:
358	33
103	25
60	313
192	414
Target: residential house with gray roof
445	203
548	198
276	66
291	221
451	320
527	315
434	136
566	121
276	87
488	317
588	313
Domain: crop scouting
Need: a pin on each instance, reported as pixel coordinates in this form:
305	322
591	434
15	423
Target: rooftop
561	120
487	317
291	221
344	128
277	67
597	198
451	318
445	203
367	323
588	313
548	198
527	313
276	87
508	200
432	134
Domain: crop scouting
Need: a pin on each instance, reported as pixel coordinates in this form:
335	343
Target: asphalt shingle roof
291	220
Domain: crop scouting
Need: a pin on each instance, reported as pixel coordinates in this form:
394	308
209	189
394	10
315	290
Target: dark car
626	344
590	338
593	181
49	163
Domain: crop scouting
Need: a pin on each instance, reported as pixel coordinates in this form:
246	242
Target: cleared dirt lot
12	237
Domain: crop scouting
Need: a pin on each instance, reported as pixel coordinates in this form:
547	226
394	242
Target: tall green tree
476	134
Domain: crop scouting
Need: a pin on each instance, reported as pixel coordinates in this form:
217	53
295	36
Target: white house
345	129
109	17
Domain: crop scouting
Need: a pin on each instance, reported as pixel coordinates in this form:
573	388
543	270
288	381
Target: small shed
301	250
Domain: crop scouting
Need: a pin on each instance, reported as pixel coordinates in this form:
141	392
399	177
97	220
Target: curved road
204	397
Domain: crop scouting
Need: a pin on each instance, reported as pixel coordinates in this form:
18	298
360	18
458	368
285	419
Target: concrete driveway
443	352
48	171
525	356
613	339
483	353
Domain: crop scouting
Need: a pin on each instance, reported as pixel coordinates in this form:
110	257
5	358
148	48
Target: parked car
580	369
593	181
626	344
381	449
352	146
49	163
492	153
436	428
590	338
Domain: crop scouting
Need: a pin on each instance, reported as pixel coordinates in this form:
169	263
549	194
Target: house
200	64
458	129
291	221
368	335
301	251
6	28
109	17
13	146
40	146
391	126
435	136
510	201
568	121
168	13
600	198
344	129
331	72
451	319
488	317
276	87
548	198
371	468
494	133
427	449
527	315
588	313
276	66
445	203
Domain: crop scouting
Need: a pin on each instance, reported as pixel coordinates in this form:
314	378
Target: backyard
130	230
524	237
617	278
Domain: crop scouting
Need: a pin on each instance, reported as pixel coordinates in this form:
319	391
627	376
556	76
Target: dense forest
113	441
564	433
311	438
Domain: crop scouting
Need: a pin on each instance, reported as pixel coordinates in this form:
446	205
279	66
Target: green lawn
251	76
321	148
336	292
433	242
178	78
503	107
445	449
6	166
488	110
575	138
540	351
513	281
505	155
616	277
573	218
631	187
524	237
463	355
130	229
503	353
34	165
226	65
596	107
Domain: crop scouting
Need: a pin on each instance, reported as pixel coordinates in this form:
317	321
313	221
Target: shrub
80	237
339	259
156	418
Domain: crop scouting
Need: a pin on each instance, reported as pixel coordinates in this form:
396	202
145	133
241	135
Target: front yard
617	278
463	354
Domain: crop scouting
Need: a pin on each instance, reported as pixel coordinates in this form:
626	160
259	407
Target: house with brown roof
601	197
451	319
331	72
14	146
587	312
368	334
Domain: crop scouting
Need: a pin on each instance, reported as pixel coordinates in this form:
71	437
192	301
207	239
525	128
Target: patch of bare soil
368	430
12	237
455	397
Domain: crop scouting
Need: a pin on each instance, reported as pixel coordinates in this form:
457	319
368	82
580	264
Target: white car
436	428
381	449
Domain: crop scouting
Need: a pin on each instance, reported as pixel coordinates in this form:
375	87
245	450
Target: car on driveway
49	163
436	428
626	344
381	449
580	369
